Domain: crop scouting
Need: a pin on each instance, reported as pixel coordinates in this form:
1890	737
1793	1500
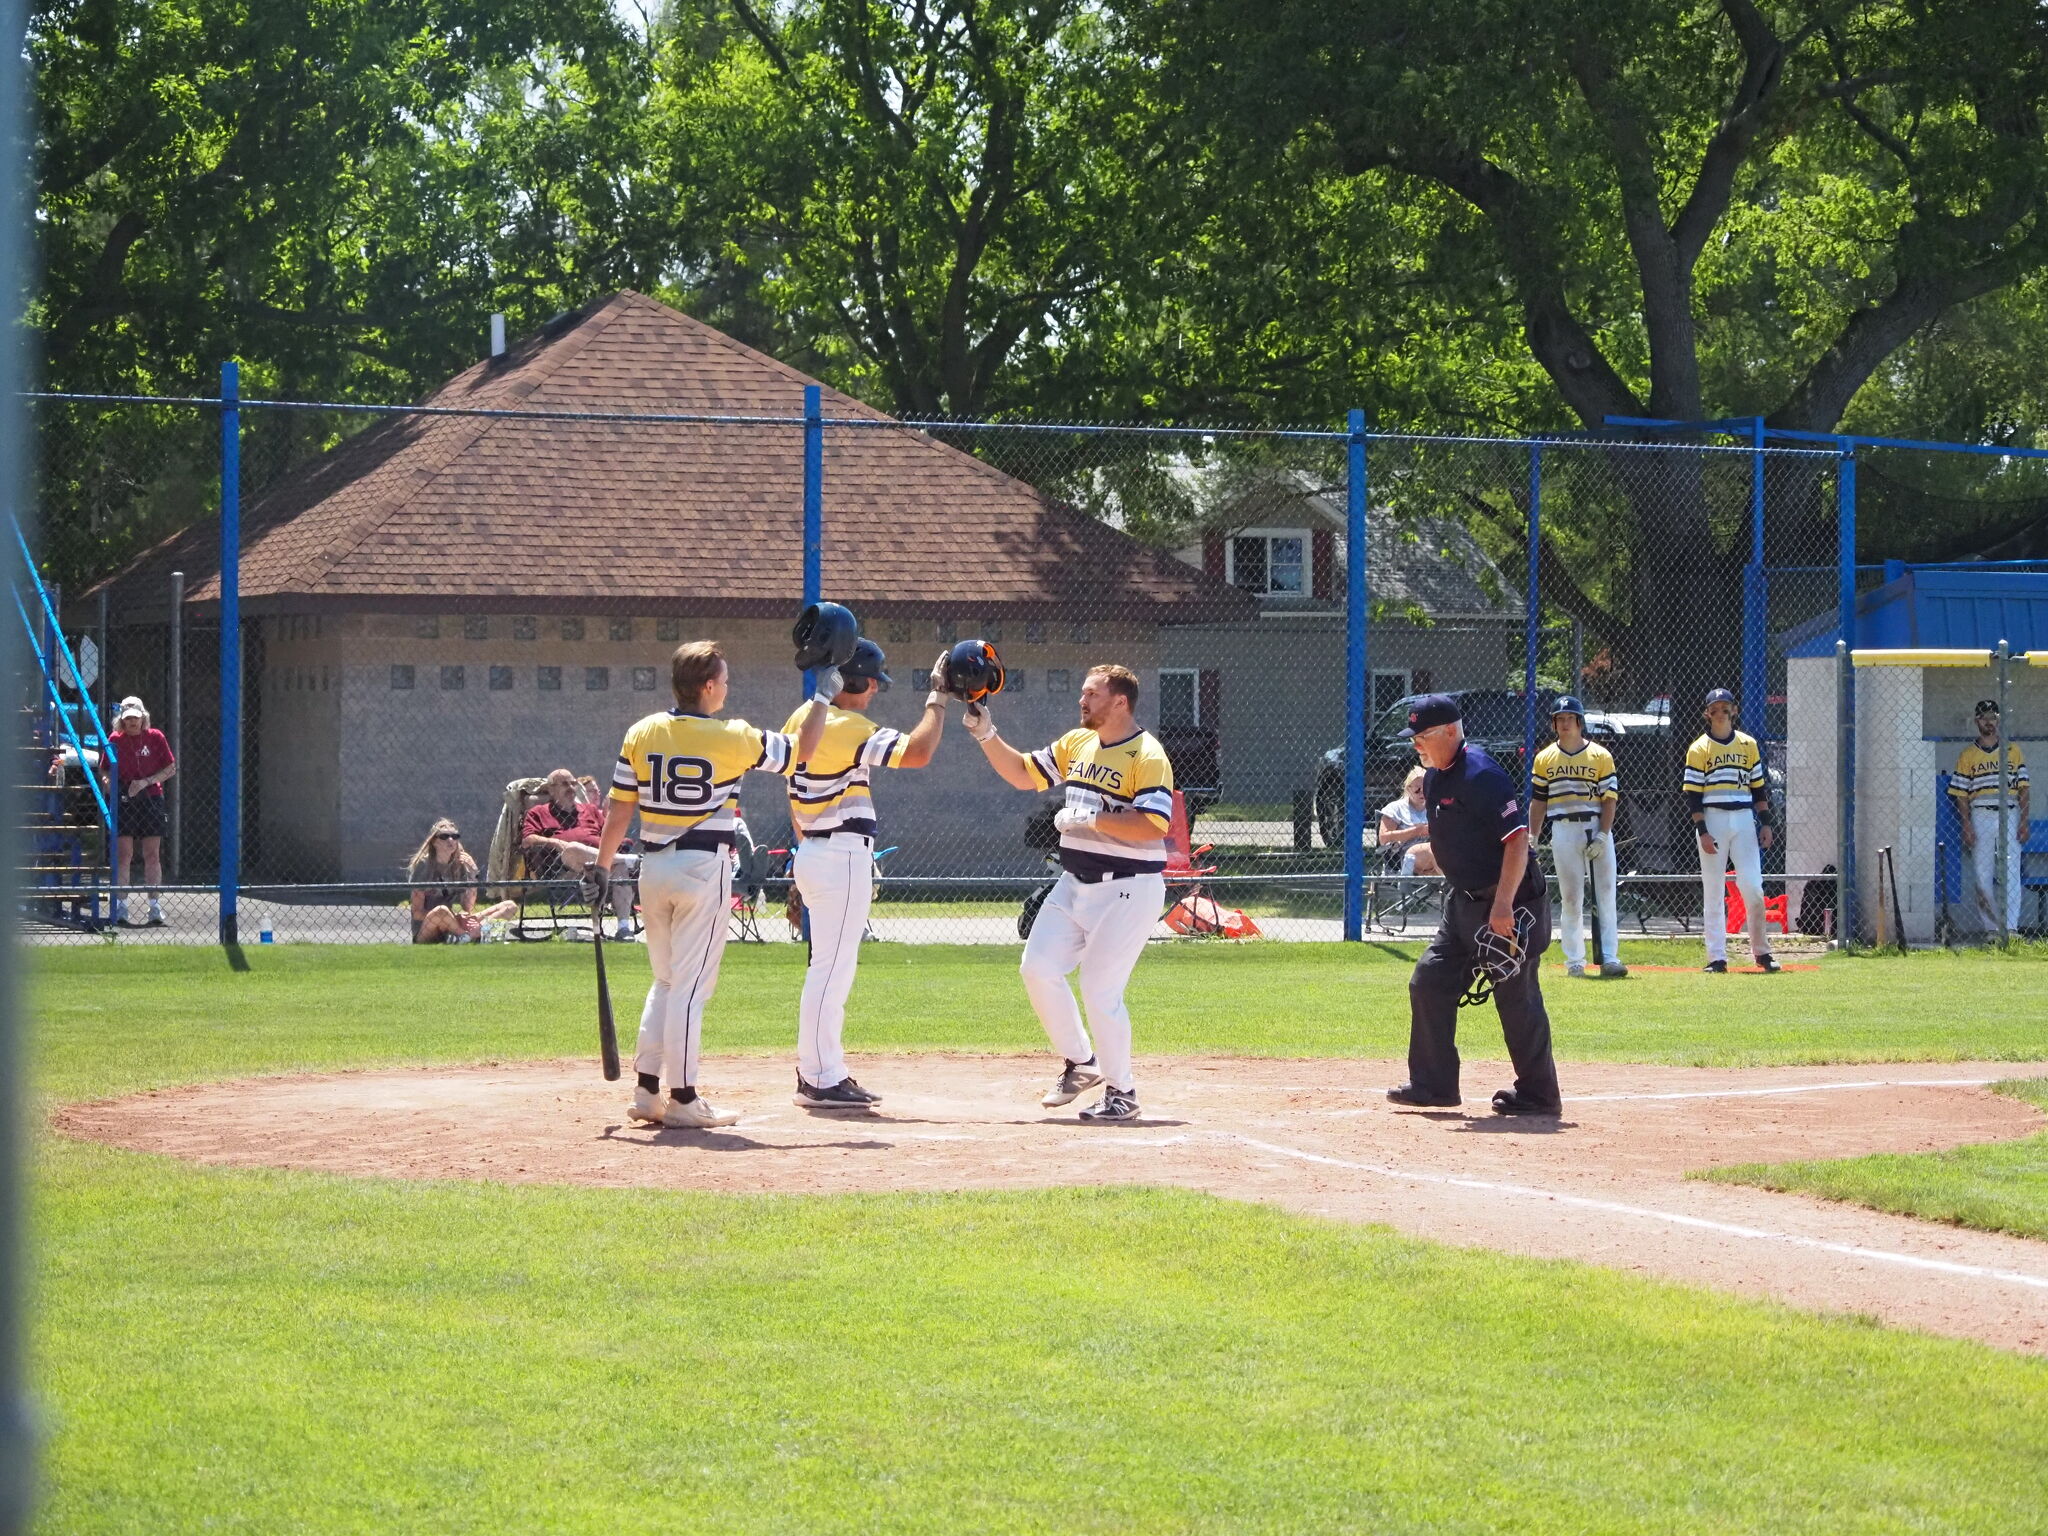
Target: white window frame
1405	677
1308	558
1194	675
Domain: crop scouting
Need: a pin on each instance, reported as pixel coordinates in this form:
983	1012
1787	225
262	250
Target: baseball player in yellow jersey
1112	830
1575	791
1974	785
1730	802
681	770
833	814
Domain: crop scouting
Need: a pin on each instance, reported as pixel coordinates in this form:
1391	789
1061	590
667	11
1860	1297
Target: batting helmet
973	671
1567	705
1500	959
867	661
825	634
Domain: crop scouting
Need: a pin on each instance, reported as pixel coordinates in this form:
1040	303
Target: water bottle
264	935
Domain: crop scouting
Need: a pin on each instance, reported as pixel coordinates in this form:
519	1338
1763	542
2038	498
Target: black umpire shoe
1770	964
841	1095
1408	1093
1509	1102
1716	967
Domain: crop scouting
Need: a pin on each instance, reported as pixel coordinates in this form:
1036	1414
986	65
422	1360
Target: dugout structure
1879	779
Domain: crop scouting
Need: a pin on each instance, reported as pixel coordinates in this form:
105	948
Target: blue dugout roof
1945	605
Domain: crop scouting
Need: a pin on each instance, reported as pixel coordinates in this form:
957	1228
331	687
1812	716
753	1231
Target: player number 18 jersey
684	772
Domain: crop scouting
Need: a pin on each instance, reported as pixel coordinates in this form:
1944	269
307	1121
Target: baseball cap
1718	696
1987	707
1431	709
1567	704
130	706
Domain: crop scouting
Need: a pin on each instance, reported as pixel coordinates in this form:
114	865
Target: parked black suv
1495	719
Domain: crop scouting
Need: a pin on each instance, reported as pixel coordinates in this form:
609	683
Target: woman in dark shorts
443	880
142	758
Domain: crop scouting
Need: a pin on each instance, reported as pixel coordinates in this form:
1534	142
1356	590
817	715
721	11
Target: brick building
442	603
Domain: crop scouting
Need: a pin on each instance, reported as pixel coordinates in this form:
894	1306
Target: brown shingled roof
424	512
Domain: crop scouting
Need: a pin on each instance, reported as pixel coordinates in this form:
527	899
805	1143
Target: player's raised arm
1013	766
923	740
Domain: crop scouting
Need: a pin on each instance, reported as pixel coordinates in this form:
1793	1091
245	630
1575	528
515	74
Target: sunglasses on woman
447	837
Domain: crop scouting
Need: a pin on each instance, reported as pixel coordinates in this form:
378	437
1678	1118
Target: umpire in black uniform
1479	829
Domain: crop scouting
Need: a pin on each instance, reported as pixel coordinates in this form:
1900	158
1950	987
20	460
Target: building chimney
497	335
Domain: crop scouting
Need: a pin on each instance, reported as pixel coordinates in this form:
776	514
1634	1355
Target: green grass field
186	1016
256	1351
2000	1187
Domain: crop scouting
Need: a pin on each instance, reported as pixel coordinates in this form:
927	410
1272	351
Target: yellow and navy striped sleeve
1048	765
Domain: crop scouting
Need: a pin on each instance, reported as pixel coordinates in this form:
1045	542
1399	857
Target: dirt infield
1605	1185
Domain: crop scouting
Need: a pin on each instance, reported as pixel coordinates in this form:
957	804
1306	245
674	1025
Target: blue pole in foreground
1845	598
1358	692
1756	684
230	648
814	505
1532	618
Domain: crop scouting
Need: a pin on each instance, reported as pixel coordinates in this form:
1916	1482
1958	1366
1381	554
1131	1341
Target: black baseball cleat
1716	967
1408	1093
841	1095
1116	1104
1509	1102
1770	964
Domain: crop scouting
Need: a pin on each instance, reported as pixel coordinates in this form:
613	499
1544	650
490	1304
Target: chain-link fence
438	608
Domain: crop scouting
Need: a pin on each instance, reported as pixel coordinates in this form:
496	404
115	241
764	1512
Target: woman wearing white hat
142	757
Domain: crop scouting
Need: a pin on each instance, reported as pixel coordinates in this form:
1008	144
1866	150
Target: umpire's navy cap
1567	705
1431	709
1719	696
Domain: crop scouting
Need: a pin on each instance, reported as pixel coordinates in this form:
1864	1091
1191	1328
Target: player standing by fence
1113	853
681	770
832	814
1575	790
1730	802
1975	787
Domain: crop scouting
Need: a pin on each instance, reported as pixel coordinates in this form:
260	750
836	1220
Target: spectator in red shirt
142	761
559	836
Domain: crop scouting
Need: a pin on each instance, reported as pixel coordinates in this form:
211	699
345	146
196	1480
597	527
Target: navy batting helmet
1500	959
973	671
825	634
1568	705
867	661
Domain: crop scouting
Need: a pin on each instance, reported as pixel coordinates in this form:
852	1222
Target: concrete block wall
432	716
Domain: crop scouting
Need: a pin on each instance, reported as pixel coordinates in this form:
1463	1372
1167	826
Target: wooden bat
607	1031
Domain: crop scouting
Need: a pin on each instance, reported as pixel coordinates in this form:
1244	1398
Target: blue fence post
814	504
1845	620
1358	693
1532	619
230	648
1756	684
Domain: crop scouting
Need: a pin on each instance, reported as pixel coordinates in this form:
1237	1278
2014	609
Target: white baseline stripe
1618	1208
1760	1093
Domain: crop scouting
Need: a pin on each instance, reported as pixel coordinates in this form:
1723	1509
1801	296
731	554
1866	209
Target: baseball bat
607	1031
1593	868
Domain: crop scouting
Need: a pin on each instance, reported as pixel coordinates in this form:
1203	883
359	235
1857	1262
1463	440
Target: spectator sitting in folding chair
1404	826
559	838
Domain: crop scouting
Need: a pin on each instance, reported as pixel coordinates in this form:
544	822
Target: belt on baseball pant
1104	876
865	839
1578	816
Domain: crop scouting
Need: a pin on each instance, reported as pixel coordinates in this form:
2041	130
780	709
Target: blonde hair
692	669
1120	680
1417	772
425	866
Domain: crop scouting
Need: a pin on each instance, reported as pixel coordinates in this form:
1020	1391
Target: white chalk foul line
1674	1218
1762	1093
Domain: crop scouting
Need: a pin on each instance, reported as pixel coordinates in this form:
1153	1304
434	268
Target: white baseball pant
836	877
1984	862
1575	856
685	895
1100	928
1734	835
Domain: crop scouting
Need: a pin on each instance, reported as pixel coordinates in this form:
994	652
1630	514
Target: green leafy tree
1560	213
